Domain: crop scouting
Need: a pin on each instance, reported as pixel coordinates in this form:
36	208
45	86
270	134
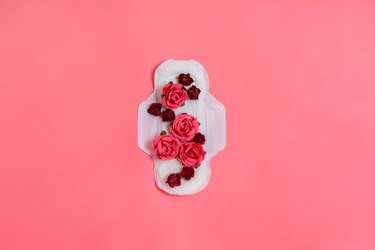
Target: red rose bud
185	79
168	115
187	173
193	92
174	180
199	138
155	109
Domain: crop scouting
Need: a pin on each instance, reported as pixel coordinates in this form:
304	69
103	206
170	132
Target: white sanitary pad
208	111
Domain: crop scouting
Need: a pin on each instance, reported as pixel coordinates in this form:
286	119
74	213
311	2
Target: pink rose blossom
166	146
174	95
191	154
184	127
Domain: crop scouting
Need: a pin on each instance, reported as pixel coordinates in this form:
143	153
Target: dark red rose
199	138
155	109
187	173
168	115
185	79
174	180
193	92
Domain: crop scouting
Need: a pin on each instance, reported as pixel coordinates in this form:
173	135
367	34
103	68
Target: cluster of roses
184	141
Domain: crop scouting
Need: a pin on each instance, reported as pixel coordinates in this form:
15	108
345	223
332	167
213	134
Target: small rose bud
199	138
187	173
168	115
174	180
193	92
185	79
155	109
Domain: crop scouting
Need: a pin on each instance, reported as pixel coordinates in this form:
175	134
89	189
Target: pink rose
166	146
184	127
191	154
174	95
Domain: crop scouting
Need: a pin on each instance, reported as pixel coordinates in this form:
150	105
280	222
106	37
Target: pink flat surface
297	79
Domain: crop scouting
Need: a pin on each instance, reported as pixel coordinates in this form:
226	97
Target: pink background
297	79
